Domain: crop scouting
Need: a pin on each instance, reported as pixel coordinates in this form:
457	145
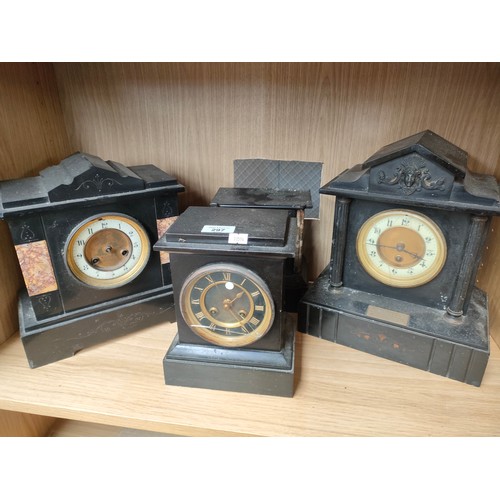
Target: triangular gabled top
421	170
427	144
81	176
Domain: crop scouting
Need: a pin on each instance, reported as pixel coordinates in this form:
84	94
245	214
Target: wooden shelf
339	392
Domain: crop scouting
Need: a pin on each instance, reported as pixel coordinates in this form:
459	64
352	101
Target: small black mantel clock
228	268
410	224
83	232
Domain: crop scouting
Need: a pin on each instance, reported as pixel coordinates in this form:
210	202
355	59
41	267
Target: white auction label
238	238
218	229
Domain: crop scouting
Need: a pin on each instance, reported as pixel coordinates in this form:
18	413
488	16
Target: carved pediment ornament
412	175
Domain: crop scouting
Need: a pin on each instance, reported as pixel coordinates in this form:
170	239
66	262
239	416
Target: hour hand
227	302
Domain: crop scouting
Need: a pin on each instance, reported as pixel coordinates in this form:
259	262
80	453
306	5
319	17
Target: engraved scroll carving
98	183
163	225
36	267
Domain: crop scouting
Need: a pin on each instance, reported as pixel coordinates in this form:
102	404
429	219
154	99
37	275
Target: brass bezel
214	337
110	282
405	281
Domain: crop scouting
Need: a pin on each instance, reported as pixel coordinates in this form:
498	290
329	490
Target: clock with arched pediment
83	231
410	224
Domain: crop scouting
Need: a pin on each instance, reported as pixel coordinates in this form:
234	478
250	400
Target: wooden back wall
193	119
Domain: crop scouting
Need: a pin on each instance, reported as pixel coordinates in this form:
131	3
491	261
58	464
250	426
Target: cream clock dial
108	250
401	248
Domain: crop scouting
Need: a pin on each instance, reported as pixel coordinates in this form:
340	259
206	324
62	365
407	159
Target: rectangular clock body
233	331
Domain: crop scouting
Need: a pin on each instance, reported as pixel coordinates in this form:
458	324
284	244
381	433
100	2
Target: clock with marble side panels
228	268
410	225
83	232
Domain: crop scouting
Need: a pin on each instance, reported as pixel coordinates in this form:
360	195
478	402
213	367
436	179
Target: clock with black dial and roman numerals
228	267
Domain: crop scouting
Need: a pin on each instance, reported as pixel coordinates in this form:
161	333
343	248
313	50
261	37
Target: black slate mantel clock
409	228
228	267
83	232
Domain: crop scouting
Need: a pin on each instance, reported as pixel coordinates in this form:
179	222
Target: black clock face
227	305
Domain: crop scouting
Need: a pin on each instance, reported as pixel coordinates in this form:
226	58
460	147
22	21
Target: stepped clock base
421	337
63	336
238	370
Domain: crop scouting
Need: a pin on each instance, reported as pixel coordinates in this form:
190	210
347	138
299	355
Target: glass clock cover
401	248
227	305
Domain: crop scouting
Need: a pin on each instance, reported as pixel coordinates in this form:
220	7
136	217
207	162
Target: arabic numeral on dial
373	253
394	271
405	222
371	241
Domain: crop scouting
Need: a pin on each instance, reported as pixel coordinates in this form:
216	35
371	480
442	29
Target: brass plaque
388	315
36	267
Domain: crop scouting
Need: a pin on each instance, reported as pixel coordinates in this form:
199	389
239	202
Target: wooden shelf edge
339	392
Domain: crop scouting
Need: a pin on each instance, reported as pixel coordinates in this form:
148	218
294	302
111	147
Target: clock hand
413	254
227	302
397	248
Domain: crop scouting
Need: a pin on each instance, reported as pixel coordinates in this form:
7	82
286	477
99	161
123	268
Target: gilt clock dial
227	304
401	248
108	250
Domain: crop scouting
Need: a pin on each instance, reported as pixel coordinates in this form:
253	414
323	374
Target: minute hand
416	256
